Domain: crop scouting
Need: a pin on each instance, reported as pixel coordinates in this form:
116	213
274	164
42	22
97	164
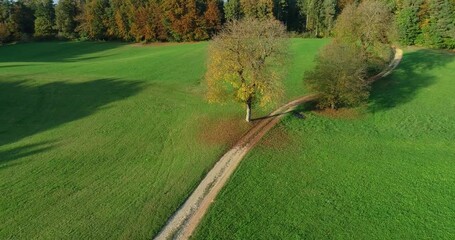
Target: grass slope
105	140
386	174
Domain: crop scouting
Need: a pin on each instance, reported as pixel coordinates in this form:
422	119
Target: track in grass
183	223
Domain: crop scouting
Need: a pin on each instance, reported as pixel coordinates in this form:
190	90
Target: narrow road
185	220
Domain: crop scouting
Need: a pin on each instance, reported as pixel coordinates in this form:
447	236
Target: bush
339	76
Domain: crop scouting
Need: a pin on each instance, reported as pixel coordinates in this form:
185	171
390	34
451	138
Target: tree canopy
245	61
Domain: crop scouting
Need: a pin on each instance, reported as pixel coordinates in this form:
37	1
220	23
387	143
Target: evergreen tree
212	17
123	14
281	11
148	24
5	26
24	19
232	10
182	18
407	21
45	19
66	12
312	10
440	30
257	8
329	14
94	19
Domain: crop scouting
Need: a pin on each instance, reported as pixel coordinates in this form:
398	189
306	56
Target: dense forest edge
429	23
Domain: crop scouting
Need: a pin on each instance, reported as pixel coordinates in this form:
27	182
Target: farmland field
384	171
105	140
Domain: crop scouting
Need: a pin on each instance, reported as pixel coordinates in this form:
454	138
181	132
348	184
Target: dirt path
185	220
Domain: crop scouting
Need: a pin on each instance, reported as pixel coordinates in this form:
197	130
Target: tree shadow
297	112
27	109
10	155
54	51
413	74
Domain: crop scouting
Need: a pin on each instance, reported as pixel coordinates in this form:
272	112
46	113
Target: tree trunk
248	110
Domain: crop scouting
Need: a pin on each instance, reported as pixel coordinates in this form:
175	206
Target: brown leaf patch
222	131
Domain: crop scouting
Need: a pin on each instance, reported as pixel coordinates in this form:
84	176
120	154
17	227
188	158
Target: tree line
423	22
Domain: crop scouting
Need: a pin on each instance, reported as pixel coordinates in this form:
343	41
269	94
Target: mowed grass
106	140
387	173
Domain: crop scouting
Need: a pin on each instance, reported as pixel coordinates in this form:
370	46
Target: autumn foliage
246	62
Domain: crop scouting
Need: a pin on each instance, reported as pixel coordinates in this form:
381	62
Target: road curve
185	220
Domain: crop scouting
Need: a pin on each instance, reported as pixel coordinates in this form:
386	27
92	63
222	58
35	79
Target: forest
428	23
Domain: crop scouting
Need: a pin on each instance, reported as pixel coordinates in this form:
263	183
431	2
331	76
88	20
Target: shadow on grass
297	112
9	155
54	51
27	109
413	74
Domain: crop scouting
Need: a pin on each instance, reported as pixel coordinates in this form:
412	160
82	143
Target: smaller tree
245	61
339	76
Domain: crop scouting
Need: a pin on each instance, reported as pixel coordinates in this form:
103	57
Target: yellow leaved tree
246	61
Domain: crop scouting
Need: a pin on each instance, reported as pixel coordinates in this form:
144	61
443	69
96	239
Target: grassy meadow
105	140
385	171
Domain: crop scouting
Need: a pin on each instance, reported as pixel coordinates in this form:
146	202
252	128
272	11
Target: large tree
245	60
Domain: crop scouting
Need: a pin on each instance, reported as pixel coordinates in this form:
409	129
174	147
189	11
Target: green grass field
386	172
105	140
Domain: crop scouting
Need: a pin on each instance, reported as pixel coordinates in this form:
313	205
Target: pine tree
212	17
329	14
281	11
66	12
312	10
148	24
182	19
94	19
24	19
257	8
45	19
5	26
232	10
439	32
407	21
